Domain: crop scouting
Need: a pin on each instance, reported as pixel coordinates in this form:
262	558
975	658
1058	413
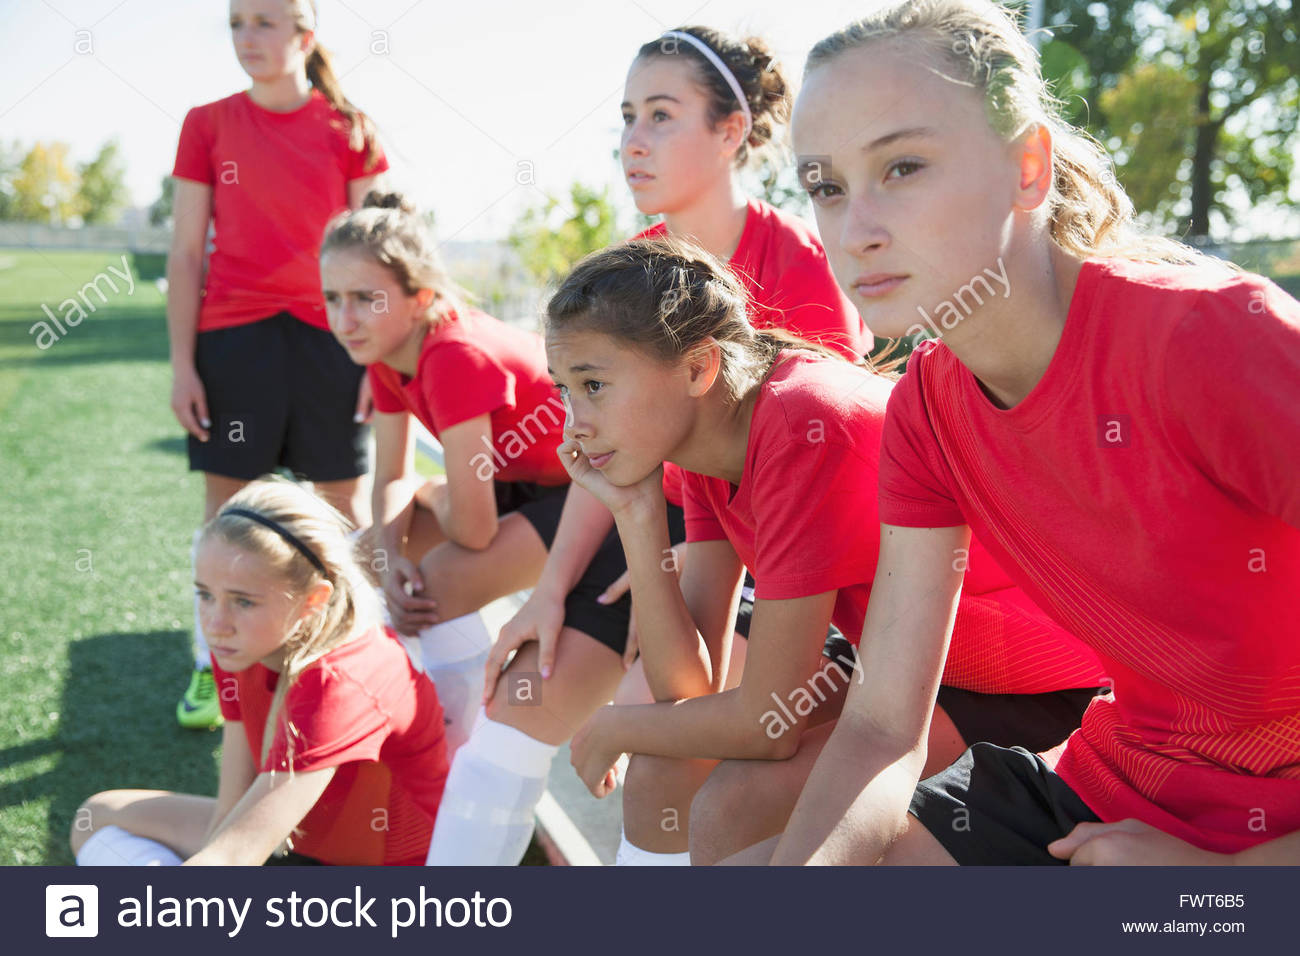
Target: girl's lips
220	650
600	461
871	287
638	179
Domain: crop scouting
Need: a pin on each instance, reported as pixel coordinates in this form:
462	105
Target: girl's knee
718	804
95	812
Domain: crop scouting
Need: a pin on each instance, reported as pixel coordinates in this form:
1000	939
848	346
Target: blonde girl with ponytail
258	381
1115	416
328	725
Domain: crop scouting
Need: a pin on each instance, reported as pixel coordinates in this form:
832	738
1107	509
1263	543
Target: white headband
722	69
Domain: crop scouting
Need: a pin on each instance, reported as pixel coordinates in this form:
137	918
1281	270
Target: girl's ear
316	598
424	300
703	367
733	133
1035	153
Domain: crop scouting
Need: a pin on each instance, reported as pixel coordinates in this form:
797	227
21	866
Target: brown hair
668	297
320	72
752	64
1090	215
389	228
352	606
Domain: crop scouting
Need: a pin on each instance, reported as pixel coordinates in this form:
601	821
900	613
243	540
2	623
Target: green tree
1214	81
160	213
550	239
102	194
45	188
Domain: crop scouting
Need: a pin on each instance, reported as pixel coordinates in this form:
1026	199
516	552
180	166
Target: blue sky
462	93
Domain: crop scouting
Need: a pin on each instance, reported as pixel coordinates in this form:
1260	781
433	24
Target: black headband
283	532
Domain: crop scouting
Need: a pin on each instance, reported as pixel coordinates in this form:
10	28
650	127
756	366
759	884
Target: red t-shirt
277	179
783	267
1146	495
364	710
803	520
470	365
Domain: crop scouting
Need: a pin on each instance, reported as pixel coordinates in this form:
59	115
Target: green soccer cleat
199	709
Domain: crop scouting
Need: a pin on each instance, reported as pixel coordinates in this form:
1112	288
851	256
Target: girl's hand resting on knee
403	584
540	620
592	757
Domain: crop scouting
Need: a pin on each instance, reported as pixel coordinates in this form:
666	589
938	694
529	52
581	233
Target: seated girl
333	746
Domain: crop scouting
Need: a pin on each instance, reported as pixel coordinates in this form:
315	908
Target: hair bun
377	199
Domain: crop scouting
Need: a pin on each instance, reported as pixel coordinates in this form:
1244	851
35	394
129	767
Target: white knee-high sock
629	855
202	656
113	846
486	816
454	654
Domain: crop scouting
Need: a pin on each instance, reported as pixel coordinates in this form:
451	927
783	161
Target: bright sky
463	94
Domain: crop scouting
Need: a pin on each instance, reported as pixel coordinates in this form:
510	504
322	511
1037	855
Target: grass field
97	511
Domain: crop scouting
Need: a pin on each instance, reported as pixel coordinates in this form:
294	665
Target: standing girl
450	545
779	448
312	685
1120	428
258	382
698	107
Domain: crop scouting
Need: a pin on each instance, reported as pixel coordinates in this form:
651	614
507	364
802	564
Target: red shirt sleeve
815	517
194	152
334	722
915	482
702	522
386	398
356	165
460	382
1230	374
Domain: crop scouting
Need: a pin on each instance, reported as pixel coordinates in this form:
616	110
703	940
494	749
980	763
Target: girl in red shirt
258	382
779	445
698	107
327	722
447	546
1074	415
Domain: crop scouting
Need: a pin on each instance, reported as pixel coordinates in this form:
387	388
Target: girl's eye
660	115
903	168
365	297
592	386
822	191
562	389
331	297
243	602
628	119
202	595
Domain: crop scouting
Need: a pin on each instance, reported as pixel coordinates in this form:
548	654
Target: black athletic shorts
606	623
998	806
281	393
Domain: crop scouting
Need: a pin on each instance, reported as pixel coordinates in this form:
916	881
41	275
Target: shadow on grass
131	335
173	445
117	728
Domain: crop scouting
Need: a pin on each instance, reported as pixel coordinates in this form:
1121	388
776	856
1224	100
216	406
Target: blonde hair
321	75
352	606
1089	214
388	228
